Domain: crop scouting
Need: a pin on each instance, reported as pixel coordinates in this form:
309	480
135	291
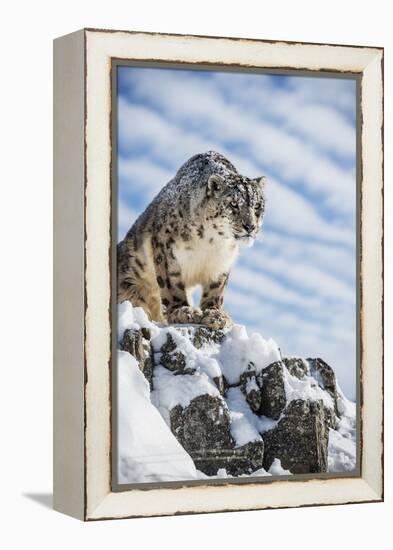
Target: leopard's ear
261	182
215	185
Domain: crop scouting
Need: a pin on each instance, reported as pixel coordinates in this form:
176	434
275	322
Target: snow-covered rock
196	403
137	342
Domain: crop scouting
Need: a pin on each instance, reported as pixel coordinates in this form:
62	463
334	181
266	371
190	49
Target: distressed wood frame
82	290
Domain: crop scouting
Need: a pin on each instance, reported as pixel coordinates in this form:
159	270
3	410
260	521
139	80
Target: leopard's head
241	202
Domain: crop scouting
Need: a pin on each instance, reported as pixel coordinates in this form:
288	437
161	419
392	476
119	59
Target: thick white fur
201	261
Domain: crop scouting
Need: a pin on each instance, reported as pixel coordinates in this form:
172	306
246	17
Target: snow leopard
188	236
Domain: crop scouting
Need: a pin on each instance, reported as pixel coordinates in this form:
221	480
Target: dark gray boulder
246	459
205	335
173	359
133	343
300	439
237	461
249	385
331	418
203	429
203	424
221	384
137	343
146	333
324	375
273	396
296	366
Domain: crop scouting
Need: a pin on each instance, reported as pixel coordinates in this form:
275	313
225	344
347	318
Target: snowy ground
147	449
342	442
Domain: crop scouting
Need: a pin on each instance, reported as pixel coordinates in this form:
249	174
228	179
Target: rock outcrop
273	395
238	412
203	429
300	439
137	343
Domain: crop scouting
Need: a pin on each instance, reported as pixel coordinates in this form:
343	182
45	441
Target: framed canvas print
218	274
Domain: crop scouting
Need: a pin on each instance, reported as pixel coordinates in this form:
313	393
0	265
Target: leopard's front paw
185	315
216	319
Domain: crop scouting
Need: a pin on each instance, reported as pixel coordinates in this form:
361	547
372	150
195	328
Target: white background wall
25	217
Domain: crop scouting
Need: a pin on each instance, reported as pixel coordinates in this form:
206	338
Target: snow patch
342	440
179	389
305	388
238	350
245	425
129	317
194	358
277	470
147	449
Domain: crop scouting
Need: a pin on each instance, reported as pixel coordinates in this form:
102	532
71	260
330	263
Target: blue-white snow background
297	283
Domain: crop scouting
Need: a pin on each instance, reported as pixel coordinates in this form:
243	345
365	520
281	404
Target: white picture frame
82	257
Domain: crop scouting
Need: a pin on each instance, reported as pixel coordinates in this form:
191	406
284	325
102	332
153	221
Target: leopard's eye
258	206
234	205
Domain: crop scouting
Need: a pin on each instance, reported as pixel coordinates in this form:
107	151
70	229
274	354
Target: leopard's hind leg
134	283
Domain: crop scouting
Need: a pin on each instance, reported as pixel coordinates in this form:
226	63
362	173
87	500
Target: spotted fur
190	235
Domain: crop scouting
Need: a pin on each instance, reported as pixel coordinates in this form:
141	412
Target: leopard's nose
249	227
